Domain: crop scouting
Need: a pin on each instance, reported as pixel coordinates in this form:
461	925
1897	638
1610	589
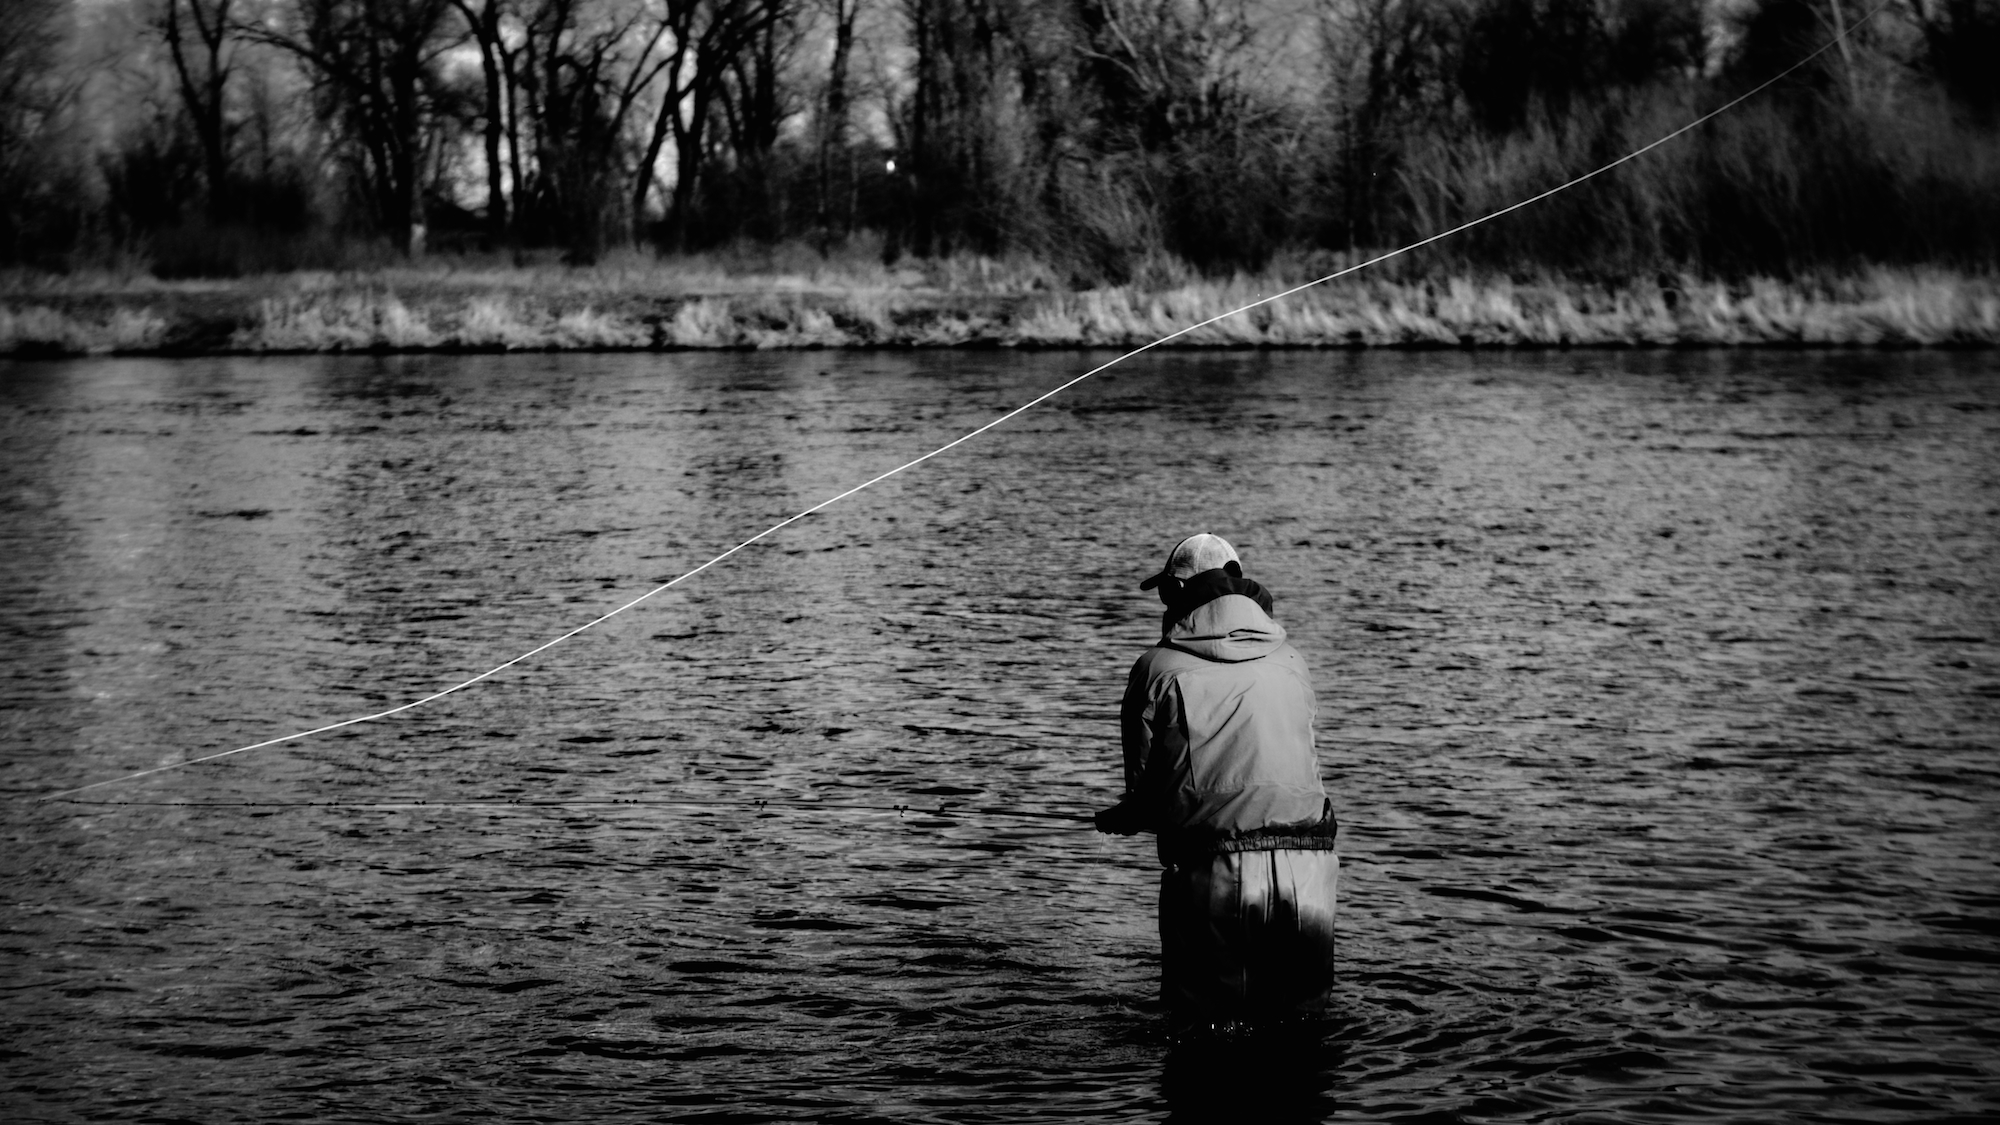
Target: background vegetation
1133	142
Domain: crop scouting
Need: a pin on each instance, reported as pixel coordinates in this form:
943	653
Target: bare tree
200	41
1170	67
755	100
483	21
704	37
1385	60
1185	96
587	67
960	75
834	120
37	93
375	62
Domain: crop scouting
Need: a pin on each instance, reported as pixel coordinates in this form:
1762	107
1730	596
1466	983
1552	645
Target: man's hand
1121	819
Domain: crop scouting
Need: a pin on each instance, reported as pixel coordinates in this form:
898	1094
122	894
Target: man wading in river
1219	763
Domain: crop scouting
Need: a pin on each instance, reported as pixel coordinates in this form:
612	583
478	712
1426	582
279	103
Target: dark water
1660	697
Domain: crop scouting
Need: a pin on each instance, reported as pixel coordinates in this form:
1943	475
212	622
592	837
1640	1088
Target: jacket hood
1230	629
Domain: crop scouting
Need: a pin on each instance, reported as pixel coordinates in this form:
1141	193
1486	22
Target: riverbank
962	303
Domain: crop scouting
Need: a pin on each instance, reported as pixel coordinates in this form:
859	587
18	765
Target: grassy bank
967	302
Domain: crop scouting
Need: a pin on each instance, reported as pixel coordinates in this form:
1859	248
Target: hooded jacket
1217	729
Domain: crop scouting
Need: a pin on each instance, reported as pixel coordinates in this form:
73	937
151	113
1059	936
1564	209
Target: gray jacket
1217	725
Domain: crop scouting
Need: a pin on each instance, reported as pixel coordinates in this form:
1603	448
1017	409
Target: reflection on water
1659	694
1283	1077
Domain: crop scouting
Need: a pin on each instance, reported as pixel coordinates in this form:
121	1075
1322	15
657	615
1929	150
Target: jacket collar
1204	588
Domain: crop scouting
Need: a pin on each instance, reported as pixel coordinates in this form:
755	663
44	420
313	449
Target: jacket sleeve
1135	728
1151	710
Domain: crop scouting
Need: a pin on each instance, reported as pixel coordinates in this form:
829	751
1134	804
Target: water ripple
1658	694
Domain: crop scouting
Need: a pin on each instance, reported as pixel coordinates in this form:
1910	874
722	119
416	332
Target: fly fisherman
1217	725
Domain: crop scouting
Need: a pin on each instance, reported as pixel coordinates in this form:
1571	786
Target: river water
1659	692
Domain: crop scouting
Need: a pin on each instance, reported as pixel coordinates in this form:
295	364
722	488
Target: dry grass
40	329
1882	308
662	304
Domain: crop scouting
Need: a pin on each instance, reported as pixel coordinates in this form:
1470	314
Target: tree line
1117	140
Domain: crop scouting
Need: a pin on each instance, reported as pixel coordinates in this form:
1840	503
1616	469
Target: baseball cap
1193	555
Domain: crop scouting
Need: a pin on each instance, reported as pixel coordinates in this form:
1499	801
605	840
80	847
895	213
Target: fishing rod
944	809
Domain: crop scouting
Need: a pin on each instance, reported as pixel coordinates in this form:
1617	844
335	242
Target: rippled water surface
1659	695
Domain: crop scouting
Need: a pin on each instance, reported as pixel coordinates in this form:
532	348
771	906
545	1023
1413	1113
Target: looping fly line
1001	420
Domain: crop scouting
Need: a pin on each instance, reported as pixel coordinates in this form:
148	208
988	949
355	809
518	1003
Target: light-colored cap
1193	555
